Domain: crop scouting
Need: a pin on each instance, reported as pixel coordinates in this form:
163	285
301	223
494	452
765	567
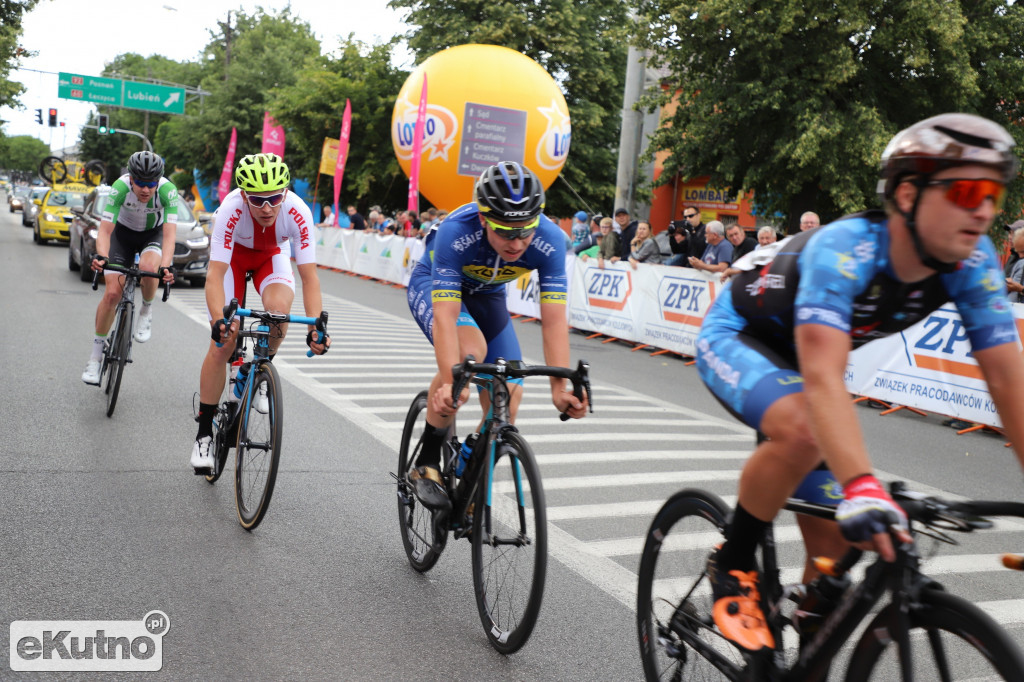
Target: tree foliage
11	13
311	109
23	153
581	44
796	99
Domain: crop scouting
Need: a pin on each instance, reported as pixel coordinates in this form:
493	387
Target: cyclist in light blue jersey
457	296
774	346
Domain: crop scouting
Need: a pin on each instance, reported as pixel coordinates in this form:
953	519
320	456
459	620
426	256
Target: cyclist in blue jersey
457	296
774	346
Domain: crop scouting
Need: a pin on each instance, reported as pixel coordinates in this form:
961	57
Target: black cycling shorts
125	243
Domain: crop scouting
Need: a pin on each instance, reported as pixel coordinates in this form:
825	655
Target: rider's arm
823	352
446	341
215	289
103	238
312	300
555	334
167	247
1003	369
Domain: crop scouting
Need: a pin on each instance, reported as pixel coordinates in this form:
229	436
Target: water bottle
823	593
232	378
464	454
243	373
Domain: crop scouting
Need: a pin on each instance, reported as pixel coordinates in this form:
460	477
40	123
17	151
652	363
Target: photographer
686	237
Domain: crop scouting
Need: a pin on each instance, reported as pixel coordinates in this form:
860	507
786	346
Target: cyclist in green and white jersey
140	217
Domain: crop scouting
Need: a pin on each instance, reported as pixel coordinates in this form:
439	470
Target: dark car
16	198
31	209
191	246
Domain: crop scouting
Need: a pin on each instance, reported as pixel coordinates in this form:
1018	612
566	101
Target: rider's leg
108	304
277	298
149	261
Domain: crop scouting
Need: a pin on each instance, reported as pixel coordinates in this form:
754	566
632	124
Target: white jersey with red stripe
233	225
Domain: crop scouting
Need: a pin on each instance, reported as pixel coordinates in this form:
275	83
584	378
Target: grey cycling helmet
509	192
946	141
145	166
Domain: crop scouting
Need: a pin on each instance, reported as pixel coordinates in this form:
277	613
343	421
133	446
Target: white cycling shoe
145	328
91	375
202	458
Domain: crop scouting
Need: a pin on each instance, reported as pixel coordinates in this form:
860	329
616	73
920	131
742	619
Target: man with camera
686	237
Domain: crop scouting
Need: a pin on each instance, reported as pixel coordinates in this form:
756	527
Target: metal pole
149	145
630	134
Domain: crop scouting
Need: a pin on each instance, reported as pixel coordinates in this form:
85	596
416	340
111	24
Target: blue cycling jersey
461	261
841	276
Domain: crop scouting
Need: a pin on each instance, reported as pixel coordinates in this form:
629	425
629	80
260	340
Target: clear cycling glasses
511	233
257	201
969	193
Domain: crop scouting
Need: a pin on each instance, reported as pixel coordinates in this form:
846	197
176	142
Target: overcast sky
82	36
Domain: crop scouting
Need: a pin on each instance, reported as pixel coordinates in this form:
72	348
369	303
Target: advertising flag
273	136
224	186
417	150
339	165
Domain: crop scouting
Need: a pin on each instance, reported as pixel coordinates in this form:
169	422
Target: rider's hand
98	263
565	401
866	515
222	332
441	401
318	348
168	274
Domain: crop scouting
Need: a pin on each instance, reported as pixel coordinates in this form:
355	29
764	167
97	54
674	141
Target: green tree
581	44
267	52
796	99
23	153
11	13
312	108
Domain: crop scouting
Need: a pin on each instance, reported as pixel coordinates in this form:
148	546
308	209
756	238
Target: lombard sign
113	92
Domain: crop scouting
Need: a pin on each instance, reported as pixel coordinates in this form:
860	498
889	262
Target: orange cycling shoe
737	610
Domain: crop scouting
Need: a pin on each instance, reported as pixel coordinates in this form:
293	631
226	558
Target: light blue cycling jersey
461	261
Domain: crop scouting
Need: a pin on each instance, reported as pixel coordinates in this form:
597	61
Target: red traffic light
53	118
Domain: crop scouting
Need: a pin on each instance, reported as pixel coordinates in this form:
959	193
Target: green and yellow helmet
262	173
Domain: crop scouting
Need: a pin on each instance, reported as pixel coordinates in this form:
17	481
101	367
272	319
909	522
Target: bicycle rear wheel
950	639
510	545
259	447
118	356
673	602
415	520
225	433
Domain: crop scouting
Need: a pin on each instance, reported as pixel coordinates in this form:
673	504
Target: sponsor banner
600	299
523	295
928	366
387	257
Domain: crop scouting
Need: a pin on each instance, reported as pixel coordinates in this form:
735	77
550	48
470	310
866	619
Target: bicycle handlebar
133	271
463	372
232	309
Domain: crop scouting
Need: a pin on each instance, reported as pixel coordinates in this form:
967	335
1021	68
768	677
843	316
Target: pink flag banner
339	165
417	151
224	186
273	136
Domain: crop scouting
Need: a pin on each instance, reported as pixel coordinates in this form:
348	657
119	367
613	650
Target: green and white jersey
124	208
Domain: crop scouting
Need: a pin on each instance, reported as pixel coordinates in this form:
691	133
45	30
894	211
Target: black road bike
921	632
251	419
118	350
497	502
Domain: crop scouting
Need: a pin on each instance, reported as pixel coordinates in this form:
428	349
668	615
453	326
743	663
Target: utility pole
226	26
631	132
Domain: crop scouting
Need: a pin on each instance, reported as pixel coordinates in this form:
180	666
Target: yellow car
53	222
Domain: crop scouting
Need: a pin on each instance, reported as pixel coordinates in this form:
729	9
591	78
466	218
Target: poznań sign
114	92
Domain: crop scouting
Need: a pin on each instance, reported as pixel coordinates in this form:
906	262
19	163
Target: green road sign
89	89
159	98
120	93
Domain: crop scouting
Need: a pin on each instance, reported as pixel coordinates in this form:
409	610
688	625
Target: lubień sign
113	92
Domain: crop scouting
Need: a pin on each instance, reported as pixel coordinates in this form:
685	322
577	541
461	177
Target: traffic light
39	116
103	124
53	118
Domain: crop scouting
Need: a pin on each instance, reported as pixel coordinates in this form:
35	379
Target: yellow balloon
485	104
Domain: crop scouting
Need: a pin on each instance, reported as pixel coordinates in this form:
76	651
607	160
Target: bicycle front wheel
510	545
415	520
259	446
118	356
676	632
950	639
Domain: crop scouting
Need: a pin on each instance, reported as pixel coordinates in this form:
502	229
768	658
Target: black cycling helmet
509	192
946	141
145	166
935	144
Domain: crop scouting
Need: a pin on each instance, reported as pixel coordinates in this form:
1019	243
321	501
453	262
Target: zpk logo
608	288
685	300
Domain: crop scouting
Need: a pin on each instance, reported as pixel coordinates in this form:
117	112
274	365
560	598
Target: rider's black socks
741	540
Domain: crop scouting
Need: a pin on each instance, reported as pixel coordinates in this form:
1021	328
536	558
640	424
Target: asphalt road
103	520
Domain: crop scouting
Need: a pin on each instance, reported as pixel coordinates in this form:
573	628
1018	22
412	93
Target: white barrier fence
928	366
